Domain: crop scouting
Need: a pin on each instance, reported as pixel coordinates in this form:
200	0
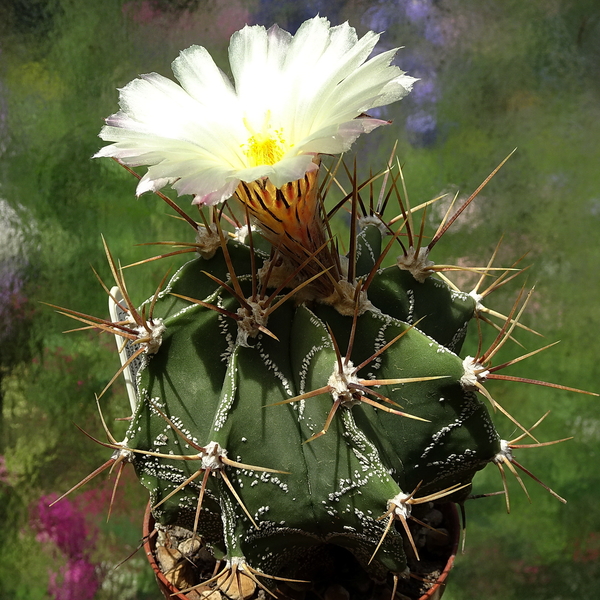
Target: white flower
295	96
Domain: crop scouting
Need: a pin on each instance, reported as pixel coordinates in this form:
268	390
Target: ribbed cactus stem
291	402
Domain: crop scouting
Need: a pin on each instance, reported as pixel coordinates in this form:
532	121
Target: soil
185	563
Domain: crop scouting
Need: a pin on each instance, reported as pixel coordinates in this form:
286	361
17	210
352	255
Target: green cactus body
209	386
291	406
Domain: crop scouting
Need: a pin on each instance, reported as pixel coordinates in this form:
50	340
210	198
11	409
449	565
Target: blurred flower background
493	76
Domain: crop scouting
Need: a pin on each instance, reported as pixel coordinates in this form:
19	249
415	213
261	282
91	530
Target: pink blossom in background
142	12
587	550
77	580
95	500
189	26
64	526
4	475
231	17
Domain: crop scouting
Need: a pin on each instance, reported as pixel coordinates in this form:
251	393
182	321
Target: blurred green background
493	76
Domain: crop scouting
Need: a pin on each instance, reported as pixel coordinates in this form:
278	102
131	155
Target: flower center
264	149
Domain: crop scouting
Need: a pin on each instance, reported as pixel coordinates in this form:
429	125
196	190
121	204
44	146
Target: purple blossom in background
11	297
425	13
426	91
290	15
16	236
425	18
380	17
417	10
422	128
421	124
434	33
64	526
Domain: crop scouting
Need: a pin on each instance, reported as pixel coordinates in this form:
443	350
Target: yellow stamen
265	149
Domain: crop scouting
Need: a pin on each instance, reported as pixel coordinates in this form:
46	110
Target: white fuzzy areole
211	456
504	454
401	506
339	383
123	453
153	338
249	323
417	263
208	241
474	373
343	299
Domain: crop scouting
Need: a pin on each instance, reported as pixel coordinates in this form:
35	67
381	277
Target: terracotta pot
168	590
434	593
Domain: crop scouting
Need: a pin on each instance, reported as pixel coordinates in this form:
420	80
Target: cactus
286	400
288	397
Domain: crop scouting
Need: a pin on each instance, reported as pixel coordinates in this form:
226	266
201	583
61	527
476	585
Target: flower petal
157	113
291	169
339	138
203	80
257	59
295	96
219	195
